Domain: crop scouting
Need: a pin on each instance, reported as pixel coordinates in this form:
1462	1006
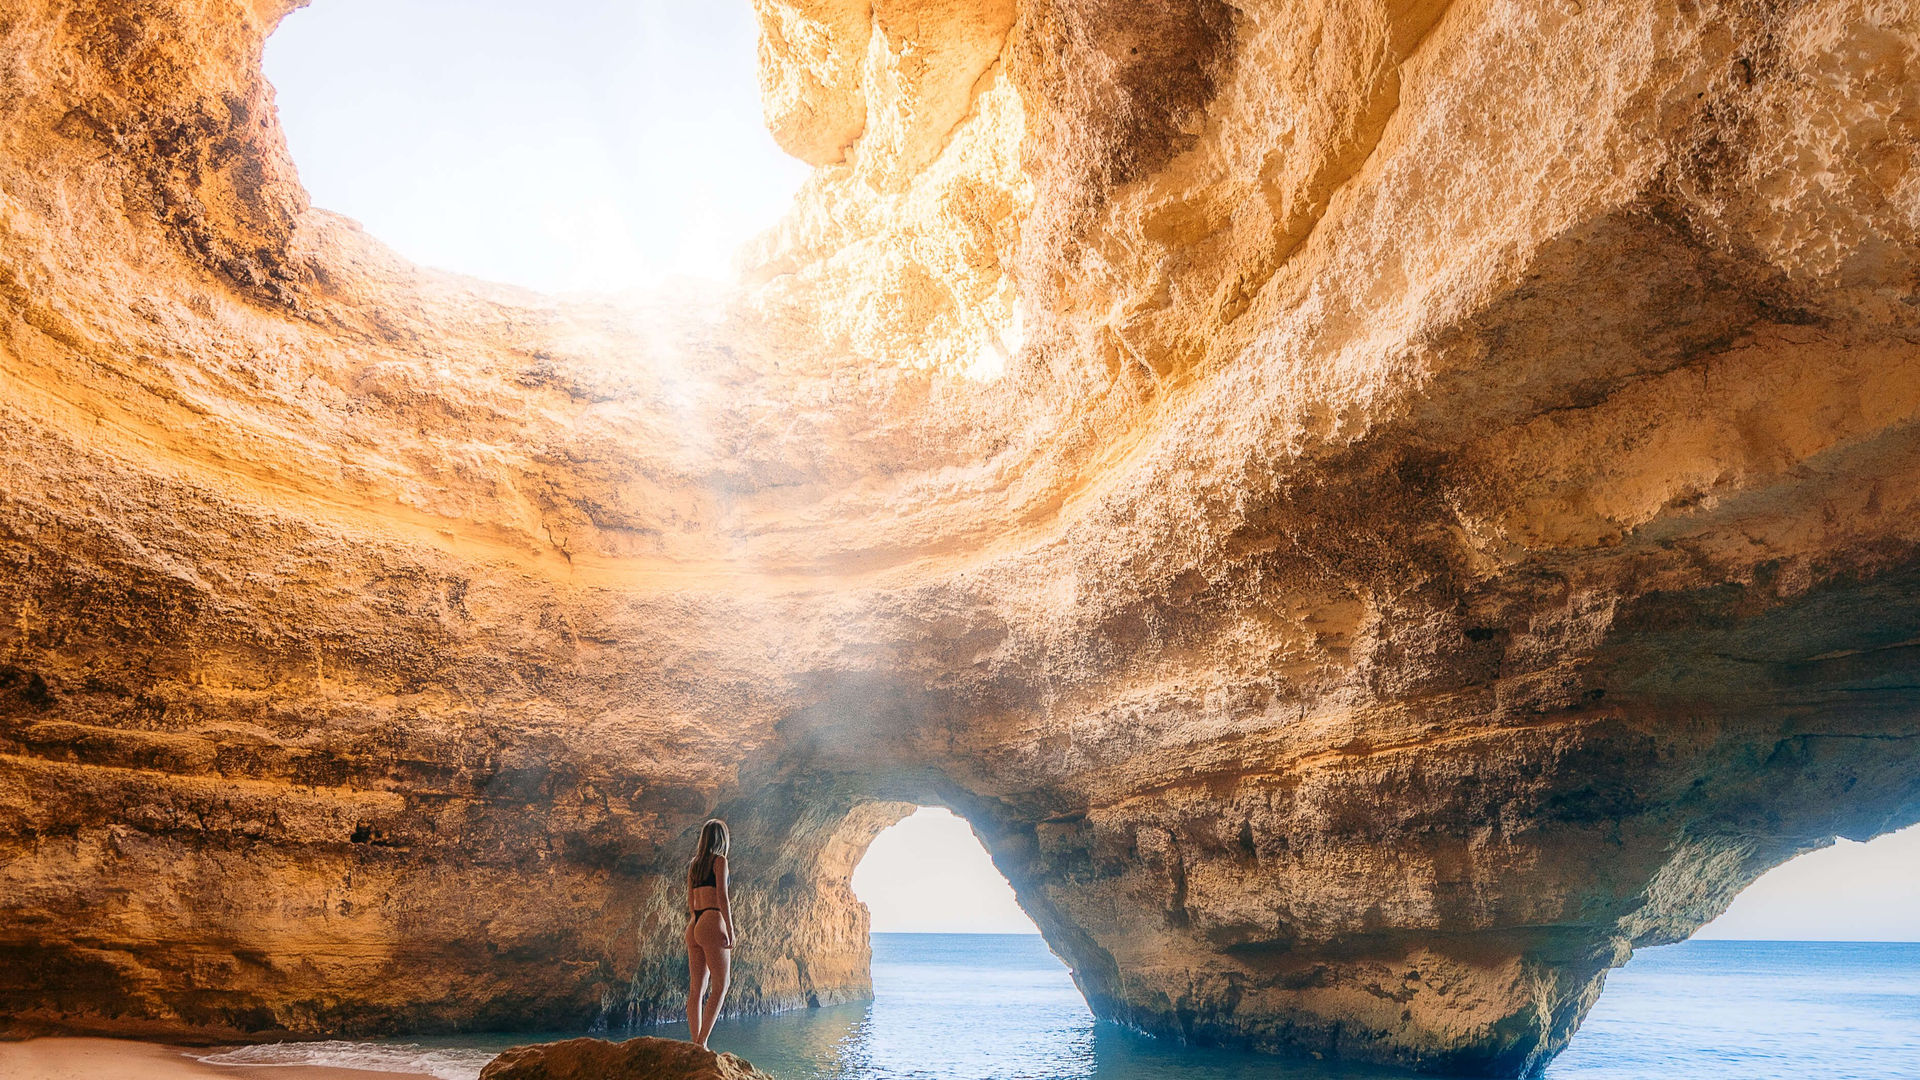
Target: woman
709	931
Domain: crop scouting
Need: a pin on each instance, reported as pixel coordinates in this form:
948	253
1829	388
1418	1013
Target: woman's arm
726	908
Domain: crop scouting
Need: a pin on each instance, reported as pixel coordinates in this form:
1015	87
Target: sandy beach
124	1059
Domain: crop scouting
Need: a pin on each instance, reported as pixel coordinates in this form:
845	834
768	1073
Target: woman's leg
696	986
719	964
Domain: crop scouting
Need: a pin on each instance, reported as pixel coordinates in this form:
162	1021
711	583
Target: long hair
713	841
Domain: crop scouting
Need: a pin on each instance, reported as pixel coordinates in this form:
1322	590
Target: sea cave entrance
1814	966
963	984
928	874
1851	891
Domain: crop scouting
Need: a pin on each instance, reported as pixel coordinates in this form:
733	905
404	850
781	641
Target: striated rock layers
1372	510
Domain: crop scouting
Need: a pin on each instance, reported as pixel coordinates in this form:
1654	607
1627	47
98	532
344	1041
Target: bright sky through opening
1848	892
595	145
929	875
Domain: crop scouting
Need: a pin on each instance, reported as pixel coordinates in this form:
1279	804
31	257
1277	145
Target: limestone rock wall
1372	512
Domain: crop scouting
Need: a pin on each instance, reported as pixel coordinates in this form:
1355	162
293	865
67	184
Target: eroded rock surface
644	1058
1446	516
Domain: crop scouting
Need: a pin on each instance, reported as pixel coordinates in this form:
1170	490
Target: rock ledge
597	1059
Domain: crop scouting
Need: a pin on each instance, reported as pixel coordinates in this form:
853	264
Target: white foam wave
443	1063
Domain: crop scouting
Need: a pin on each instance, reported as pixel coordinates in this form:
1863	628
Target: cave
1371	511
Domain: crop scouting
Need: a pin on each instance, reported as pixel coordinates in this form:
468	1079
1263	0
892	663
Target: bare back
709	894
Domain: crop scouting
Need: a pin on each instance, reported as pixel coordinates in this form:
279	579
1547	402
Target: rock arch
1452	521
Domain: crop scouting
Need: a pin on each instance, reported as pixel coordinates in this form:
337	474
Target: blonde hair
714	842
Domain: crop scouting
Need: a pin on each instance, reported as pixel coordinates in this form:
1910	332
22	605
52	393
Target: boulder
644	1058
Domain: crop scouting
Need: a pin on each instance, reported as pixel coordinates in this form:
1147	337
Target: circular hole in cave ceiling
585	145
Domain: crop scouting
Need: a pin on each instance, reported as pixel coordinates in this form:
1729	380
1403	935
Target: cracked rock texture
1371	510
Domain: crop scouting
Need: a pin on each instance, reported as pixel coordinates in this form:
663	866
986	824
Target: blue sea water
1001	1007
1756	1010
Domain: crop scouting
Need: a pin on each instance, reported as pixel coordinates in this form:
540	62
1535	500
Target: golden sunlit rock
1372	511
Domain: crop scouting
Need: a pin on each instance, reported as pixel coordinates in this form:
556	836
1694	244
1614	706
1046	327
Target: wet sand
125	1059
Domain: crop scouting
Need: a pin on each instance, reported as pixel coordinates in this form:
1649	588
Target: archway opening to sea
961	977
1812	969
1852	891
928	874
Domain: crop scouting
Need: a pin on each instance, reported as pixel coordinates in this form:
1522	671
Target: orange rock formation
1372	510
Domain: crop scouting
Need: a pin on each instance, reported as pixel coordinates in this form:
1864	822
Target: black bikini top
712	879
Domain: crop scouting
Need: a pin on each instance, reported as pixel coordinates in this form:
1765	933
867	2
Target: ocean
1001	1007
